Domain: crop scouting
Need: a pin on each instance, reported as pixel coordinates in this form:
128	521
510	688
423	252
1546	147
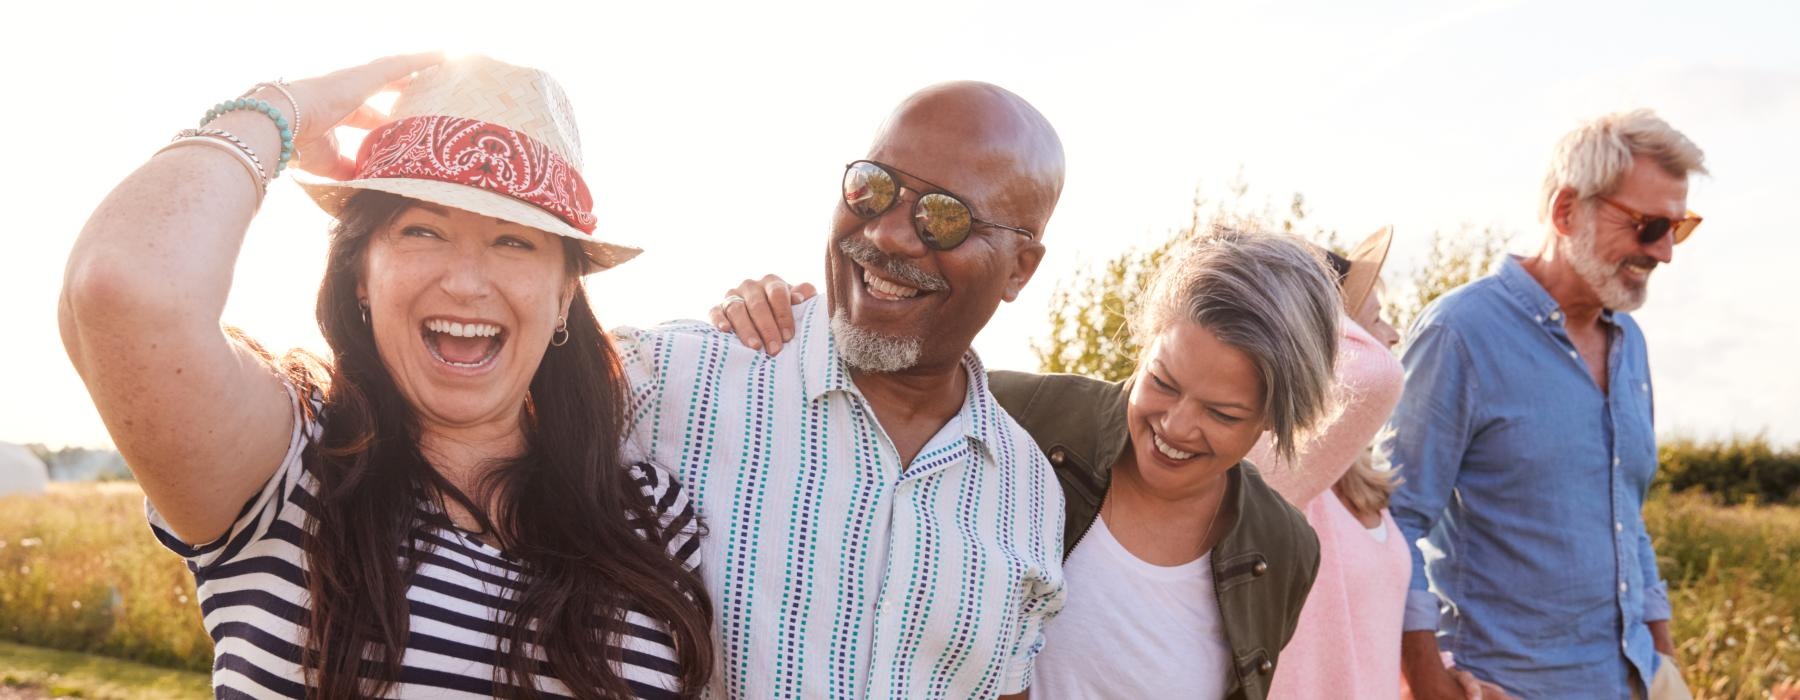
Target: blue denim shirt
1522	492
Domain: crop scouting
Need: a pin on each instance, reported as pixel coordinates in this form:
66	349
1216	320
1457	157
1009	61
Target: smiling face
462	308
1195	410
1604	249
897	303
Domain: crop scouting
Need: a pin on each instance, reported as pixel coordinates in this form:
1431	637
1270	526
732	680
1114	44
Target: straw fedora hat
1366	260
486	137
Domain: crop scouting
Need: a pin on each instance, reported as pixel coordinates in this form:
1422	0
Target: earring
364	305
562	328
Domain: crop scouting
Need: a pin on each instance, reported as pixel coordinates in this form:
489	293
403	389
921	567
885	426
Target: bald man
877	526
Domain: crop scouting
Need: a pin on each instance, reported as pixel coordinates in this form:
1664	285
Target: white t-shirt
1130	629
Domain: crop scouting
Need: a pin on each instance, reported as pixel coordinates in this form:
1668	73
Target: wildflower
30	542
76	604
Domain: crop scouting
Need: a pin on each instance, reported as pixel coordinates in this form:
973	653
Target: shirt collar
823	371
1532	297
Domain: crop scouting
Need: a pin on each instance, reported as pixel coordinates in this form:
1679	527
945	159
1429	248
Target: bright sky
1426	116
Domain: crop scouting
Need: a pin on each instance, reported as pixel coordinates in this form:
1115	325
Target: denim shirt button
1618	526
1622	587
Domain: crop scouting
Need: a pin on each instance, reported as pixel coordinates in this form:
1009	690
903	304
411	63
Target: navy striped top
253	595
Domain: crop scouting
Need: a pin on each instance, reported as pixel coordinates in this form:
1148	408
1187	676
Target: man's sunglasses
1652	228
942	220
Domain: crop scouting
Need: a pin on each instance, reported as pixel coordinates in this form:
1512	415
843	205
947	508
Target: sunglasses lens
868	190
943	219
1654	230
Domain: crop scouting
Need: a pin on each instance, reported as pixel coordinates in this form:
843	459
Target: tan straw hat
1366	260
486	137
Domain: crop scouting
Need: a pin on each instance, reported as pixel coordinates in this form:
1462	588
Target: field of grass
80	571
71	674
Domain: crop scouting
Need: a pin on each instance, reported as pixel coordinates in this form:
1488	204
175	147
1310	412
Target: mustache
866	254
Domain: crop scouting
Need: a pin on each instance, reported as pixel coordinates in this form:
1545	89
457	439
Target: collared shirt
1527	483
837	571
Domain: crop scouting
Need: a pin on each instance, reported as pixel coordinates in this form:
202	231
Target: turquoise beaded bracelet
261	107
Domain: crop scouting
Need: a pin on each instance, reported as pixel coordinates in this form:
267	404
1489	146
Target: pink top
1347	643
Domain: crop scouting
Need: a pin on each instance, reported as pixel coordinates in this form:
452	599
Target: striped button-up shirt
836	570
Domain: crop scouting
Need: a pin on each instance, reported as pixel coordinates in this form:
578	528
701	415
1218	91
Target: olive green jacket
1263	565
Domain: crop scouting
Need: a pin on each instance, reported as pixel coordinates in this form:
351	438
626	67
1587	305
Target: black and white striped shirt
253	595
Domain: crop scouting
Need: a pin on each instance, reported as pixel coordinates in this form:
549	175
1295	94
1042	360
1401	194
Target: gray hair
1593	159
1272	297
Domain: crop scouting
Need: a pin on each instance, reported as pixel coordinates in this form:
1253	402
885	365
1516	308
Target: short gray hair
1592	160
1272	297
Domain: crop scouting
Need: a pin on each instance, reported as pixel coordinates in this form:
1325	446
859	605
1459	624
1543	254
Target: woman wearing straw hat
1349	630
441	508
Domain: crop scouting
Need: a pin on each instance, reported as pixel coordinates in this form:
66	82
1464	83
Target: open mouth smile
463	345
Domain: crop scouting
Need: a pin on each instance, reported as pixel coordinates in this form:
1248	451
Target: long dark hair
567	510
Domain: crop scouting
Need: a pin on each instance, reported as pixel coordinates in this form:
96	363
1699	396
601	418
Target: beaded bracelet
281	86
261	107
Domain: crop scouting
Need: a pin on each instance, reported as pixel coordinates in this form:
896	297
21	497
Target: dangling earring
364	305
562	327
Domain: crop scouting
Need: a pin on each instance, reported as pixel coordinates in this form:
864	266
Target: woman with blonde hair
1349	630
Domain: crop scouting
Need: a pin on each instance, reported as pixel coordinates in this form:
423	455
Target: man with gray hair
878	526
1525	441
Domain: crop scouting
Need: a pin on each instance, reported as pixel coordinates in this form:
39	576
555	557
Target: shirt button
1262	567
1540	318
1622	587
1574	354
1625	647
1615	461
1618	526
1556	315
1058	455
1266	667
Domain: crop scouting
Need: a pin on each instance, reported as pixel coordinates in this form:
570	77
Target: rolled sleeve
1429	433
1038	610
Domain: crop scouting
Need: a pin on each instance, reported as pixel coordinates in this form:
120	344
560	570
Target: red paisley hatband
478	154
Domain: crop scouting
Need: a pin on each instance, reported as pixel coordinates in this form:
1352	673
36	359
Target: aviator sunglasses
942	220
1652	228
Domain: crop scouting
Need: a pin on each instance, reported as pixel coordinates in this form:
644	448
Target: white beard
1605	279
869	351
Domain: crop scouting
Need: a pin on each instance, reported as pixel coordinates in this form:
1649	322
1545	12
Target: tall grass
80	571
1734	583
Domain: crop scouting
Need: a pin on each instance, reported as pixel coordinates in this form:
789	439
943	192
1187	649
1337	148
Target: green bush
1739	470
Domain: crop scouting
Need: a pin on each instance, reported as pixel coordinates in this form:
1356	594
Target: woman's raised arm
200	419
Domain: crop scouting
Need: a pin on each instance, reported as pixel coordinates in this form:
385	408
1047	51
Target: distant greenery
1738	470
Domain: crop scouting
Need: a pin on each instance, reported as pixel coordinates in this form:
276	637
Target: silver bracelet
227	143
235	141
280	86
251	168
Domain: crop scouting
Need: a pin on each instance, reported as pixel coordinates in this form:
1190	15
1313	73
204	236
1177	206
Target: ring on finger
732	299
